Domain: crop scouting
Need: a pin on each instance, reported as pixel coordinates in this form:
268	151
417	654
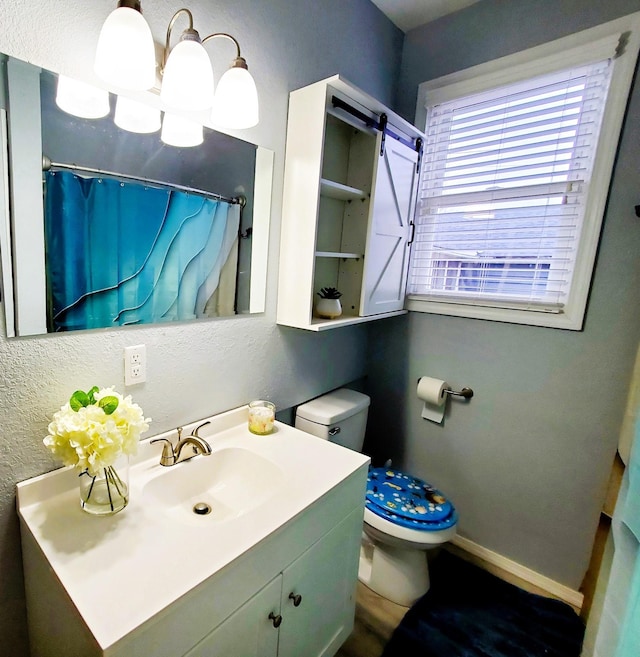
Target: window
516	170
503	187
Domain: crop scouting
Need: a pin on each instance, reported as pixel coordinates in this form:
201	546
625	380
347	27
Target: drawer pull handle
296	597
276	619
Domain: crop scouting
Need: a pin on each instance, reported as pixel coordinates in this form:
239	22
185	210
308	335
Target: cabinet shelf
318	324
340	192
338	254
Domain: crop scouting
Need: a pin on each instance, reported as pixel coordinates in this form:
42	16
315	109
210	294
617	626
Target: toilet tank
339	416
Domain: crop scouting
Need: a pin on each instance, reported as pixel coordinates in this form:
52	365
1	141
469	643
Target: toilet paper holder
467	393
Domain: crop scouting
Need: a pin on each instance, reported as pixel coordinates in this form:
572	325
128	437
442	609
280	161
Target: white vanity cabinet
324	577
248	632
306	611
349	198
161	581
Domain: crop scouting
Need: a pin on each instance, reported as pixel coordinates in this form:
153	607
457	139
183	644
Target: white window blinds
502	194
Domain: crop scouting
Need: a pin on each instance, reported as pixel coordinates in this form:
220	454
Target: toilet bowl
403	515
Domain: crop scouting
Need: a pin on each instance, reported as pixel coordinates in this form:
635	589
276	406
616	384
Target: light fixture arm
189	33
188	84
239	61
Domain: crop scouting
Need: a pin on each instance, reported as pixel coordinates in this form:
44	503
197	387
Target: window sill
565	320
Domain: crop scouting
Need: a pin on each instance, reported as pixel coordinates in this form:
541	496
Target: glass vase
107	492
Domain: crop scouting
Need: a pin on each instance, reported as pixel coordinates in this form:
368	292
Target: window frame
576	49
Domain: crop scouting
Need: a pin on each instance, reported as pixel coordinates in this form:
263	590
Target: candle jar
262	415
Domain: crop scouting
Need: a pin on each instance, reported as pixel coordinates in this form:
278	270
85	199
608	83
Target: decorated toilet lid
408	501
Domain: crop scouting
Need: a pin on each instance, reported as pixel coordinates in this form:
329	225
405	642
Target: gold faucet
193	443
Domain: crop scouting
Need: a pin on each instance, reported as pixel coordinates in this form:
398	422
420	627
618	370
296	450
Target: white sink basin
222	486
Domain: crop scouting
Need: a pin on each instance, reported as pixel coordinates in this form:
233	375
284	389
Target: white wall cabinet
349	198
306	611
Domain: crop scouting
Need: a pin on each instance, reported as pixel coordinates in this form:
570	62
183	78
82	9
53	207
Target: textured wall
527	461
199	368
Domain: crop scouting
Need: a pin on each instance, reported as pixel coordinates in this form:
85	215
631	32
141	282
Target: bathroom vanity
270	571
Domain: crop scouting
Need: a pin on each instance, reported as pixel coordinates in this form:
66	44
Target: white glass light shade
187	81
125	56
81	99
137	117
236	100
181	132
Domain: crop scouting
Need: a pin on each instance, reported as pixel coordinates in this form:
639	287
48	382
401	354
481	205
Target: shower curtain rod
47	164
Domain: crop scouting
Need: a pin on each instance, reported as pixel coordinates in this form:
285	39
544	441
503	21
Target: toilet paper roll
432	393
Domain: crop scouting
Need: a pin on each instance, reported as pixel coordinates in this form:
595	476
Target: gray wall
199	368
527	460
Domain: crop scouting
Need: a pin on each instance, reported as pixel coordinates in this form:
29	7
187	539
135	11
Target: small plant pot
328	308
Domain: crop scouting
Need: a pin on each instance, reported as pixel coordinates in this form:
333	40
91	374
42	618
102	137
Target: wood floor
376	618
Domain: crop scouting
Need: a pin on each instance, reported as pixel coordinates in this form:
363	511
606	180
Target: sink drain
201	508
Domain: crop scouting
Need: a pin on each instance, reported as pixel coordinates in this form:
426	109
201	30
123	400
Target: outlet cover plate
135	365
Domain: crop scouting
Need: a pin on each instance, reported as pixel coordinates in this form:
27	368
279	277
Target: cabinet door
325	578
391	214
248	632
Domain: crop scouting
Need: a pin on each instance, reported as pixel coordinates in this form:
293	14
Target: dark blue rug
468	612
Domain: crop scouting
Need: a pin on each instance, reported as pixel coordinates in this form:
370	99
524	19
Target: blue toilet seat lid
408	501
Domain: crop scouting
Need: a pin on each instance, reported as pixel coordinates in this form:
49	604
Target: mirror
121	228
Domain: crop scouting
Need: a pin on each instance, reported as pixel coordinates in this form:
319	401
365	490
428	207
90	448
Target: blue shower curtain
618	633
627	517
127	253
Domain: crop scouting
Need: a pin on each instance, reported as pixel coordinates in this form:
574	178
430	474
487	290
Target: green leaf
108	404
329	293
92	394
78	400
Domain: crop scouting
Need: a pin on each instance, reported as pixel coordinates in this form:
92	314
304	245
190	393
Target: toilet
403	515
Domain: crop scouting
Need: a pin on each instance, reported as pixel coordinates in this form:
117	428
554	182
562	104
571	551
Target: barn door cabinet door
349	199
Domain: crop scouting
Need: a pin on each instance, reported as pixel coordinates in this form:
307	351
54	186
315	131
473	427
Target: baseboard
514	572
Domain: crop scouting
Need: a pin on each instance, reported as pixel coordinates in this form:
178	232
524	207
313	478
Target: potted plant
329	306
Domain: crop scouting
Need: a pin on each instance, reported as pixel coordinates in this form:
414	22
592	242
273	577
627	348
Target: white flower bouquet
90	432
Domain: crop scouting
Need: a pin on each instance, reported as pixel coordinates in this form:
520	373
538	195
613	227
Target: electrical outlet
135	365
